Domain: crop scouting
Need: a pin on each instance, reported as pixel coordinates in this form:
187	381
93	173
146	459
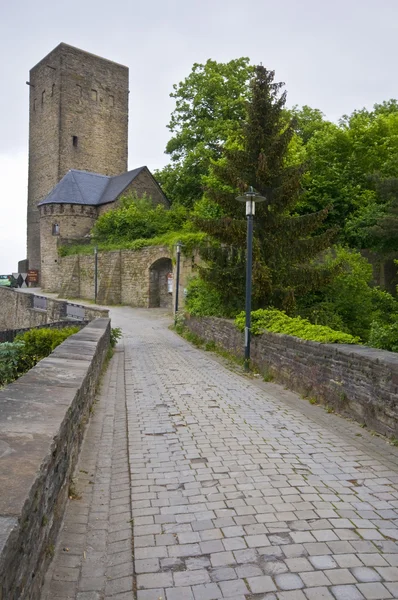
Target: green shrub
41	342
349	303
27	349
384	336
10	359
137	218
202	300
277	321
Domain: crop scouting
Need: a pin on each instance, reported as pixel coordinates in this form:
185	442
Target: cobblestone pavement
238	489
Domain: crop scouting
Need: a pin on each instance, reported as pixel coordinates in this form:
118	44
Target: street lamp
178	246
250	198
95	273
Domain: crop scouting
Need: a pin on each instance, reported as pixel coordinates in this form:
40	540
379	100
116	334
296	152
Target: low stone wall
42	421
360	381
17	310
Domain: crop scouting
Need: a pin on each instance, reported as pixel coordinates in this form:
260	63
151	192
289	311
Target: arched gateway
159	294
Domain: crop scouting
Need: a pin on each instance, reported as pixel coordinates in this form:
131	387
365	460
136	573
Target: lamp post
95	274
178	246
250	198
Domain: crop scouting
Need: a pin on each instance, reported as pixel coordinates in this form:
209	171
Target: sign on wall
32	277
170	283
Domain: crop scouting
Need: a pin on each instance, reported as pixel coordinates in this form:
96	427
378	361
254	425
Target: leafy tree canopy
210	105
344	162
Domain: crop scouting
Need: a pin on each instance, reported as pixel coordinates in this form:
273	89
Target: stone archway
158	293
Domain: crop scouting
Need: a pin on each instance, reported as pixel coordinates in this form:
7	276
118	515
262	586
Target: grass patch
209	346
190	240
267	376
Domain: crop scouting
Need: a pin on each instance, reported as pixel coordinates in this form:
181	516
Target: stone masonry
18	312
78	118
357	380
43	416
124	276
234	489
73	223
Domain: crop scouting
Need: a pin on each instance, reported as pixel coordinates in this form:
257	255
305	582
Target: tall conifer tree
285	245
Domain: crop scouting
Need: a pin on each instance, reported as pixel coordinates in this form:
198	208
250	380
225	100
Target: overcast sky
335	56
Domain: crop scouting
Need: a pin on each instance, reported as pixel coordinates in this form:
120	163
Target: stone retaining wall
124	276
42	420
357	380
17	312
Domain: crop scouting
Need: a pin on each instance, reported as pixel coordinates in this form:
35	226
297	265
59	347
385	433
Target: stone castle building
78	133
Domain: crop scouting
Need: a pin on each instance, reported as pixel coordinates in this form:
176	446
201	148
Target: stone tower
78	119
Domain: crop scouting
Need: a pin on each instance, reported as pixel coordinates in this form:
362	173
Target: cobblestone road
234	489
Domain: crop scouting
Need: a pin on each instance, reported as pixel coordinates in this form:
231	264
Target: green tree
375	225
285	244
307	121
210	105
344	160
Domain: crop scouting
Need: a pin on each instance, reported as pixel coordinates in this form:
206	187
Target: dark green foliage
10	360
284	243
137	218
277	321
375	225
202	300
384	336
348	302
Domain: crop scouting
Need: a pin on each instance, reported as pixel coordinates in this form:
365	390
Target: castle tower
78	119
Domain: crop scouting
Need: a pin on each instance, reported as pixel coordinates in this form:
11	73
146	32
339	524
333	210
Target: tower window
55	229
79	90
34	104
53	89
43	96
111	101
74	140
94	95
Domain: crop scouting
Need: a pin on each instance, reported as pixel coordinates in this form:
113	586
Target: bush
349	303
39	343
137	218
384	336
202	300
10	360
27	349
277	321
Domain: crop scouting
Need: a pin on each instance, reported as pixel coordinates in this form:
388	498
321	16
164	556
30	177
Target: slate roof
90	189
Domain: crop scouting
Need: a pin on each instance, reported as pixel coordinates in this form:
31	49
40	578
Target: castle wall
124	276
78	118
71	222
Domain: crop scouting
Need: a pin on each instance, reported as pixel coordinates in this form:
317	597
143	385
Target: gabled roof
90	189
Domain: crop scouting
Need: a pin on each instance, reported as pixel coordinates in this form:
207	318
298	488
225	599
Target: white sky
335	56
